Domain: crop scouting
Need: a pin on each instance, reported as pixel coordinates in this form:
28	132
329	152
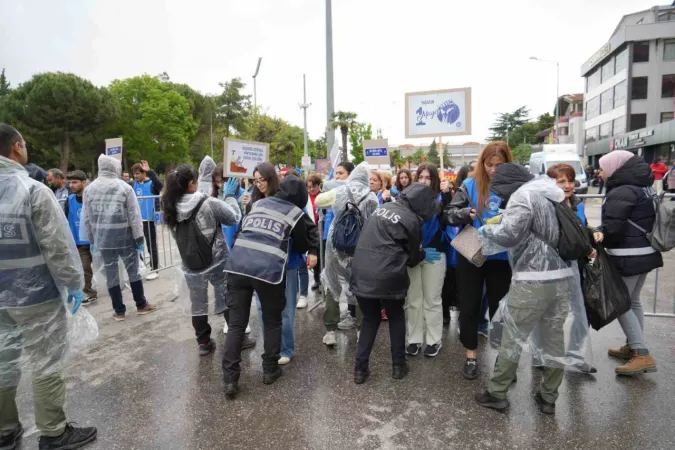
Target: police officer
148	184
112	221
257	264
38	265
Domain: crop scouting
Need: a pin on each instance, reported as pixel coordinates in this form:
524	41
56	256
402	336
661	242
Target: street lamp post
557	92
304	107
330	101
255	93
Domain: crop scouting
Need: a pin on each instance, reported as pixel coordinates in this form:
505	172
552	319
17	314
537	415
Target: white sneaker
329	339
347	323
152	276
302	302
248	329
284	360
358	335
225	328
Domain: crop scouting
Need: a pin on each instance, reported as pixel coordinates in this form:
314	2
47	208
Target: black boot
10	440
361	373
487	400
544	406
271	377
71	438
231	390
399	371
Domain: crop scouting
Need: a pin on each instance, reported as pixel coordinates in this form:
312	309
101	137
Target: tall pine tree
5	86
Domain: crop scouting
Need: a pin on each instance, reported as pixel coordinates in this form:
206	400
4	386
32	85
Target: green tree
232	108
522	152
5	86
321	146
53	110
447	161
418	156
409	160
154	120
507	122
344	121
433	156
358	133
396	160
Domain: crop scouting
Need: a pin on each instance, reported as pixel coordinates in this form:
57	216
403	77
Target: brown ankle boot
638	364
621	353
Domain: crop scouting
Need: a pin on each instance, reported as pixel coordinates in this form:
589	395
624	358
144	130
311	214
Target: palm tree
345	121
396	159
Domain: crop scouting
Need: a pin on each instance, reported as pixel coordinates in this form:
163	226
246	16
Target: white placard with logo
376	151
113	148
438	113
241	157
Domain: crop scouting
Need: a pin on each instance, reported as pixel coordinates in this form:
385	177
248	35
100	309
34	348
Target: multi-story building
630	88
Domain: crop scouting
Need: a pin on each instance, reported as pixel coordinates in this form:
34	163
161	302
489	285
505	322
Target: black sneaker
231	390
361	375
544	406
248	343
205	349
470	371
89	300
316	286
487	400
399	371
413	349
9	441
271	377
70	439
432	350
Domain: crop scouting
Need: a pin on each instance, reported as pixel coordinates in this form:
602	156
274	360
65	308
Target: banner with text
113	148
438	113
376	151
241	157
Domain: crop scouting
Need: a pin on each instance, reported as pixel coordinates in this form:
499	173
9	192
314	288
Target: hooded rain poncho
205	180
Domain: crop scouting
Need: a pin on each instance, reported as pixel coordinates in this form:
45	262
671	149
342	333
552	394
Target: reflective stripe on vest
147	205
630	251
74	214
261	249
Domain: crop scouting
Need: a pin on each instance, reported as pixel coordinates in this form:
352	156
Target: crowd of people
390	249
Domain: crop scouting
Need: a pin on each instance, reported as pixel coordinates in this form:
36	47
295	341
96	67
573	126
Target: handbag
467	243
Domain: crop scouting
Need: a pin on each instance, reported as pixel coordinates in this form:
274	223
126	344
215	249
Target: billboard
438	113
241	157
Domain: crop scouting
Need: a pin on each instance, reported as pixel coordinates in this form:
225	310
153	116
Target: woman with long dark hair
185	206
265	184
403	179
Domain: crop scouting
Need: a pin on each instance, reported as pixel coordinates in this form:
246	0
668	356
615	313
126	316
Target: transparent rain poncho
39	266
544	309
193	284
112	223
337	270
205	180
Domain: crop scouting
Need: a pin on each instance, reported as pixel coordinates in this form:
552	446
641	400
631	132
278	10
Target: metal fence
659	287
158	236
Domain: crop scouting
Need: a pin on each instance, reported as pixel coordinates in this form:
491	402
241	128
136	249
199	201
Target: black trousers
202	329
496	277
449	292
372	317
319	267
150	233
272	300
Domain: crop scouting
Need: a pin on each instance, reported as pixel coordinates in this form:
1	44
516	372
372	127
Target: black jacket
625	200
305	234
390	242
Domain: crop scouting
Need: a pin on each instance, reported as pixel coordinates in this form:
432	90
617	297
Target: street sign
113	148
376	152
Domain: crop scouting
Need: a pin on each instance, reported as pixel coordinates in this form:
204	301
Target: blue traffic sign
114	151
380	151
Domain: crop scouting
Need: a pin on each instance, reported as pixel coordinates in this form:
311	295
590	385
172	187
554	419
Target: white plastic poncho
193	285
39	265
337	270
112	223
205	180
544	308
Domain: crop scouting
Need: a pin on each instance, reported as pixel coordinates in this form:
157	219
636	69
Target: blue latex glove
431	255
140	248
75	297
231	186
91	249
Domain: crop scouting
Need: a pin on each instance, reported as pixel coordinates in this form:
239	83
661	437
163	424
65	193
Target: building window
641	52
593	108
668	86
606	130
637	121
667	116
638	88
620	94
667	17
619	126
592	134
607	101
593	80
621	60
669	50
607	70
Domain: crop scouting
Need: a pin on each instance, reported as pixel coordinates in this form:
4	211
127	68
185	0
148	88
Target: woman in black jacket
628	205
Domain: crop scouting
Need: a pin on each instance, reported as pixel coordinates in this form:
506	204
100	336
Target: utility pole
304	107
330	100
255	91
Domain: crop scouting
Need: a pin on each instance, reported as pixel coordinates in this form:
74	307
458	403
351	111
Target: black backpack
573	241
194	248
348	226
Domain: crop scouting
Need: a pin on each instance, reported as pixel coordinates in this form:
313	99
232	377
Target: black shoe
399	371
205	349
9	441
70	439
413	349
248	343
544	406
446	320
588	369
487	400
360	376
89	300
231	390
271	377
316	286
432	350
470	371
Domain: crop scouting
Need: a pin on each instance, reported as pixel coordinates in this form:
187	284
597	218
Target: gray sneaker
347	323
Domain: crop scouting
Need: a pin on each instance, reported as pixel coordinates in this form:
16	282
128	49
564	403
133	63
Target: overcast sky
382	49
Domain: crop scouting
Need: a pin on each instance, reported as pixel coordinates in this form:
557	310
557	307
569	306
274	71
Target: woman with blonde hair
473	204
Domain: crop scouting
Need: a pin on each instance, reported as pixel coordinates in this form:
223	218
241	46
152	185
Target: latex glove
220	192
431	255
91	249
75	297
140	248
231	186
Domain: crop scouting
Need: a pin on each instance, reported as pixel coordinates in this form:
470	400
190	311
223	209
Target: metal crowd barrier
653	276
166	245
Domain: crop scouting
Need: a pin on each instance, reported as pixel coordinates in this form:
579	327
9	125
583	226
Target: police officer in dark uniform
258	263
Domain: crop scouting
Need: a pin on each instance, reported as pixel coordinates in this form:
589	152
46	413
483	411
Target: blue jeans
304	279
287	315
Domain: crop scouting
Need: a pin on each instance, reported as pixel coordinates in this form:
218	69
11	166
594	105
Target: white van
553	154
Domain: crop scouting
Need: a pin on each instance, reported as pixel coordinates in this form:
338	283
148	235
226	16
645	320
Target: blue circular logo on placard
492	204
